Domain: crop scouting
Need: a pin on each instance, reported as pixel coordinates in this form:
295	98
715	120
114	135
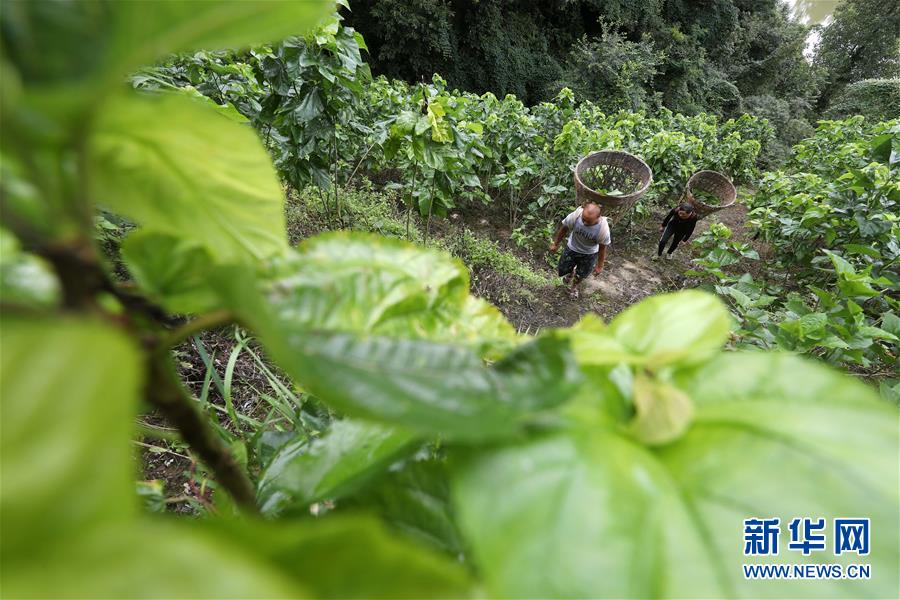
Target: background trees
719	56
862	42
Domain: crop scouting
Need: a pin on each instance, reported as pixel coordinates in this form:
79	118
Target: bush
781	115
875	99
831	220
364	208
616	72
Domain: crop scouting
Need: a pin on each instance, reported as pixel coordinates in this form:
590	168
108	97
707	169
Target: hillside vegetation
274	327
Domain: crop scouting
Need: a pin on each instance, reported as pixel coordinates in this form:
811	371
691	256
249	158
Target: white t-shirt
586	239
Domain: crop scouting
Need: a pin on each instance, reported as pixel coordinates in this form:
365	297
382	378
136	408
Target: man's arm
557	238
601	259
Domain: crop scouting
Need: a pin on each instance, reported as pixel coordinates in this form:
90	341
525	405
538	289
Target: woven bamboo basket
711	182
614	207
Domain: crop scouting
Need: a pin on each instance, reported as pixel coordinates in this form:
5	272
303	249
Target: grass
478	252
364	208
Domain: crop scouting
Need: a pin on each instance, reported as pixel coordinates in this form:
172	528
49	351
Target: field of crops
195	405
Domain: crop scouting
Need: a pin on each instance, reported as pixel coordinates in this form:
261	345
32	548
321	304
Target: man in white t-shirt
586	246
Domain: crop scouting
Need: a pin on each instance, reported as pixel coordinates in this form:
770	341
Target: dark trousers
581	263
670	232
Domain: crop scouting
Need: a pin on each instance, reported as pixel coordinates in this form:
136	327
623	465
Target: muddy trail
629	275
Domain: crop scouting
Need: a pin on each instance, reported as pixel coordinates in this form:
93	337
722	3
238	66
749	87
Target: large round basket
711	182
613	207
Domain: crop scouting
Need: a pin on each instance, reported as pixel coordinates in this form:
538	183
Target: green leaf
316	319
891	323
663	411
440	129
405	123
860	249
55	432
353	557
226	110
841	266
112	562
366	283
329	467
106	40
682	328
857	287
591	513
25	279
432	388
172	271
423	124
881	147
310	107
876	333
180	169
593	346
415	499
358	282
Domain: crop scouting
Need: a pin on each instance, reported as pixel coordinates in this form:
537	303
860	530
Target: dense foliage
831	221
448	145
689	57
862	42
700	57
724	57
423	447
875	99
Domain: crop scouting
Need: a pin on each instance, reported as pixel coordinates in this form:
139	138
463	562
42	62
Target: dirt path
630	275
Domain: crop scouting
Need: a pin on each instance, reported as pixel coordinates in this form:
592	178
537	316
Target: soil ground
629	276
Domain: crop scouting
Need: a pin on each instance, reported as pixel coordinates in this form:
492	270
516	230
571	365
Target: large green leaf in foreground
655	332
67	508
353	557
316	314
307	470
432	388
171	271
70	529
179	168
57	427
364	283
591	511
55	45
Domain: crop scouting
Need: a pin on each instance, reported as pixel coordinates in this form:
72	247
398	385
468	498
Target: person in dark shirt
678	225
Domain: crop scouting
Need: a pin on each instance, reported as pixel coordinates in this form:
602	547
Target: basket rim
633	195
718	175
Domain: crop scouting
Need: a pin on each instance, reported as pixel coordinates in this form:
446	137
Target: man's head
591	214
685	210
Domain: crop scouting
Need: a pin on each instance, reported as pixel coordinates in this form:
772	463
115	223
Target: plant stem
411	197
337	201
325	209
212	320
219	87
430	207
76	266
365	154
165	392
